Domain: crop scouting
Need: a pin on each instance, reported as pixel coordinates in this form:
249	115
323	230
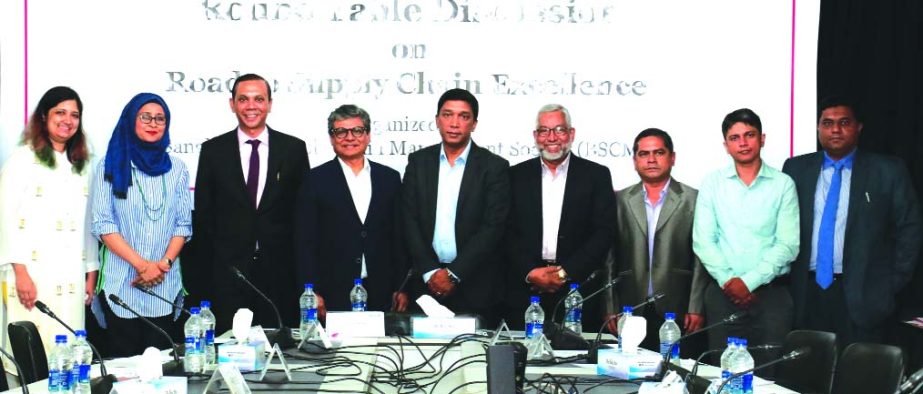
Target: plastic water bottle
82	355
573	304
208	333
308	303
726	357
669	333
741	361
59	366
626	312
193	360
535	318
358	296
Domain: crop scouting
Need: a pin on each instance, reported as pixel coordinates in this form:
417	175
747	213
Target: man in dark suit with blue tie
244	202
456	197
860	231
347	222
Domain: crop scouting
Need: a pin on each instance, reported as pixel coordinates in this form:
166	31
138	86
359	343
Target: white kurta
43	225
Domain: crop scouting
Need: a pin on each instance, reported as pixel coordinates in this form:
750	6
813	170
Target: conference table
405	365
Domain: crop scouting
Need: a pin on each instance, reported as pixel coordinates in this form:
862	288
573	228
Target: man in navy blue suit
347	223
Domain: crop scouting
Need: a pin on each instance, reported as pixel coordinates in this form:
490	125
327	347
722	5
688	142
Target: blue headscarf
125	147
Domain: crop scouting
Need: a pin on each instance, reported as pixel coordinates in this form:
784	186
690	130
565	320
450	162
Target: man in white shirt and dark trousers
347	222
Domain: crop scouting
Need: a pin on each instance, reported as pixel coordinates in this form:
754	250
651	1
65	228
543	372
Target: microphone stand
794	354
593	353
172	368
22	381
99	385
283	335
152	293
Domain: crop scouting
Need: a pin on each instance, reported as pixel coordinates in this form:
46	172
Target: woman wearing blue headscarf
142	213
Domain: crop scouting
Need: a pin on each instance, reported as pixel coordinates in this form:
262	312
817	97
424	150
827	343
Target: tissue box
643	364
246	357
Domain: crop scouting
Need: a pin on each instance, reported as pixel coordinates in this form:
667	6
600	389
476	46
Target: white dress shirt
552	202
360	189
263	150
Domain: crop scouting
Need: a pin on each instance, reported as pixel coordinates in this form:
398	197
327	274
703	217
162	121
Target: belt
548	263
836	276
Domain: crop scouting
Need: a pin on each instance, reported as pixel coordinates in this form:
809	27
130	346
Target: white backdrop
620	66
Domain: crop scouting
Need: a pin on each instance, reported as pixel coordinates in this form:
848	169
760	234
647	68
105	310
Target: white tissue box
643	364
246	357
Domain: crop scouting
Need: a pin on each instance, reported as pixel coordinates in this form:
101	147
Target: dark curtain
873	51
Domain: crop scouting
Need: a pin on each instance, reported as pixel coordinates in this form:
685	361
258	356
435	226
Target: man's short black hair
458	94
654	132
743	115
251	77
838	101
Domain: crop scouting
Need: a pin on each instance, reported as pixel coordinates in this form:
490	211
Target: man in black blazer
873	235
244	204
347	222
562	221
455	204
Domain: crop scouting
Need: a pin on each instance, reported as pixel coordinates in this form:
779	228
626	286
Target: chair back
28	350
869	368
813	373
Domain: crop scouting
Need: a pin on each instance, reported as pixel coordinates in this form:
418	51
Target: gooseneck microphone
283	335
698	361
22	381
794	354
666	356
102	384
912	384
148	291
557	307
564	339
172	368
593	353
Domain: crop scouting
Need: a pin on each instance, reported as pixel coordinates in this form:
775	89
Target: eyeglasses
357	132
146	118
559	131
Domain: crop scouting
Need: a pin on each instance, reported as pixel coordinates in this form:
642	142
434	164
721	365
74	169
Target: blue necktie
824	273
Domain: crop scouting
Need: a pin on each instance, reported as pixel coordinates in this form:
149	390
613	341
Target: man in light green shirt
746	233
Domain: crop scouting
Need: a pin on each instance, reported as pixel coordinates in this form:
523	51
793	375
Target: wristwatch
169	261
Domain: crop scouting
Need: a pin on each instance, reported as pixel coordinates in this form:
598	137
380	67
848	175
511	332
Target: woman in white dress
46	251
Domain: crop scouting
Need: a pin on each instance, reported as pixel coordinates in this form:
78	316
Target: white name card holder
233	381
276	351
443	327
356	324
500	331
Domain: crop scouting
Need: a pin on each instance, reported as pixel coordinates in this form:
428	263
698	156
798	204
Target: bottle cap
573	286
534	299
309	286
194	310
80	333
669	316
627	309
205	304
742	341
60	338
358	281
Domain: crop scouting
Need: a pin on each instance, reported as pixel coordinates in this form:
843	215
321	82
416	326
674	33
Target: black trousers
768	319
826	310
129	337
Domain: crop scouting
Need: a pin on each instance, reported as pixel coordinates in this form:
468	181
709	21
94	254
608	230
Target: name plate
355	324
161	385
245	357
443	327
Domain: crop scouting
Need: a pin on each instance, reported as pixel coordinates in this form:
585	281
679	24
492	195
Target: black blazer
229	227
330	239
483	205
587	226
883	234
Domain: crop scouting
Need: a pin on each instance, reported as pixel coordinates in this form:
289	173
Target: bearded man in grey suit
653	251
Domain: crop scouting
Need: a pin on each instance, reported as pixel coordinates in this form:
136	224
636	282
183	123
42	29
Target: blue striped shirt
156	209
820	200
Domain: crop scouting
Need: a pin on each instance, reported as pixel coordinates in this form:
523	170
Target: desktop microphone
912	384
102	384
565	339
172	368
695	367
794	354
149	291
22	381
283	335
666	356
593	353
557	307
